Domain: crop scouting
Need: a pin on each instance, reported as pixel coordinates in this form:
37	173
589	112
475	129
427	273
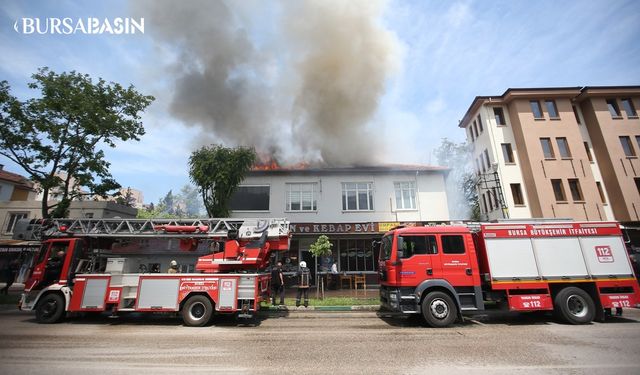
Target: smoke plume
299	80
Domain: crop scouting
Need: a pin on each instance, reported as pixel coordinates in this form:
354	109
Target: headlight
393	296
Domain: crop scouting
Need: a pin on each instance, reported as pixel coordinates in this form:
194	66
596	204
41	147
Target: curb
292	309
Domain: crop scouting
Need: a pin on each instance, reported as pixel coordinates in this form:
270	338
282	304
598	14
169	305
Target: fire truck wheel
438	309
575	306
197	311
50	309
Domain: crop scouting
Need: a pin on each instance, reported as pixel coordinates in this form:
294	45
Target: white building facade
352	206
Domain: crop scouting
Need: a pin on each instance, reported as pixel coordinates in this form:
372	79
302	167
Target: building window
627	104
499	115
551	108
477	166
558	190
452	244
516	192
495	198
575	113
471	134
547	149
612	104
13	219
588	150
480	124
357	196
574	187
490	200
638	140
627	146
301	197
486	158
603	199
563	147
475	128
250	198
536	109
637	180
484	202
405	195
484	168
507	153
88	215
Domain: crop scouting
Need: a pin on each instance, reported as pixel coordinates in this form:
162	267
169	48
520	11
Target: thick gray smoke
297	79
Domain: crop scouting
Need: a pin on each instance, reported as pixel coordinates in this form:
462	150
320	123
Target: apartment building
352	206
555	153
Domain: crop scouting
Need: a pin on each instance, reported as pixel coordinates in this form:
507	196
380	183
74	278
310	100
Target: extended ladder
246	229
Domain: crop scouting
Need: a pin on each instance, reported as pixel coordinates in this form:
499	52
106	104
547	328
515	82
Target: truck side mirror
400	251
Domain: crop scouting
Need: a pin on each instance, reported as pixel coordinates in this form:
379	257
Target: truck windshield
385	248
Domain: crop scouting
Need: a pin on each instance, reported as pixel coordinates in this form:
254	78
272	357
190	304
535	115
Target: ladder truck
75	271
579	270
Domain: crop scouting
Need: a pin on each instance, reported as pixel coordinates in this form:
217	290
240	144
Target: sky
438	56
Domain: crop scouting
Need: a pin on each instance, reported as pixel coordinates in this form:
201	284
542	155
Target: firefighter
53	268
277	284
173	267
304	280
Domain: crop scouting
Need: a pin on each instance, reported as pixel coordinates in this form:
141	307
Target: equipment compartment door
94	294
158	294
606	256
227	296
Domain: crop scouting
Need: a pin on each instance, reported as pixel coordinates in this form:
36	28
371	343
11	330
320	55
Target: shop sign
385	227
320	228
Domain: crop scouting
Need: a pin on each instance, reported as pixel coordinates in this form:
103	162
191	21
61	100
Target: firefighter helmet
303	264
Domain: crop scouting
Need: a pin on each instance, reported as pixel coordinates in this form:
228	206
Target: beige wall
618	171
540	171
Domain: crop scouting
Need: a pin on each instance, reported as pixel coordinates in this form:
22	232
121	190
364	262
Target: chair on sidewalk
360	280
344	277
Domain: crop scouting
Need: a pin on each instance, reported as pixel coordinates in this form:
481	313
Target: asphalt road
326	343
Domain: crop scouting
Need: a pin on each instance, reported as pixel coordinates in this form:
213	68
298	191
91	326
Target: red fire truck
76	270
580	270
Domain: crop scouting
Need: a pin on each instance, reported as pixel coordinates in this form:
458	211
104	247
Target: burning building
351	205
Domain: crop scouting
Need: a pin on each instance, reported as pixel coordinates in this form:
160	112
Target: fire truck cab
579	270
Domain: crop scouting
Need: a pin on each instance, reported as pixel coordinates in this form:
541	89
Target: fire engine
579	270
88	278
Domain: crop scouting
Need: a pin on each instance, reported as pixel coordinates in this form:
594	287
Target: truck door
52	264
456	266
417	258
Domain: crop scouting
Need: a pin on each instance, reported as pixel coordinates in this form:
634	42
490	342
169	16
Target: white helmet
303	264
173	263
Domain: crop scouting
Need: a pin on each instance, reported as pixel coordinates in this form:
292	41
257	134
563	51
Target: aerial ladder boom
237	244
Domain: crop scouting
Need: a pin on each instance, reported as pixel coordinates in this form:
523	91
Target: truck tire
575	306
197	311
50	309
439	309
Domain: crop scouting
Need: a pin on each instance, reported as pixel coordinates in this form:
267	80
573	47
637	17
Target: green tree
55	136
192	203
168	202
320	248
217	171
126	199
462	190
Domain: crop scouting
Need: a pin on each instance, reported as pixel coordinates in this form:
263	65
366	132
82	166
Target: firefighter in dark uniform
304	280
277	284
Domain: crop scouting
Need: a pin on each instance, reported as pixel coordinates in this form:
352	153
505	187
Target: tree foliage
125	199
55	137
321	247
461	181
217	171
